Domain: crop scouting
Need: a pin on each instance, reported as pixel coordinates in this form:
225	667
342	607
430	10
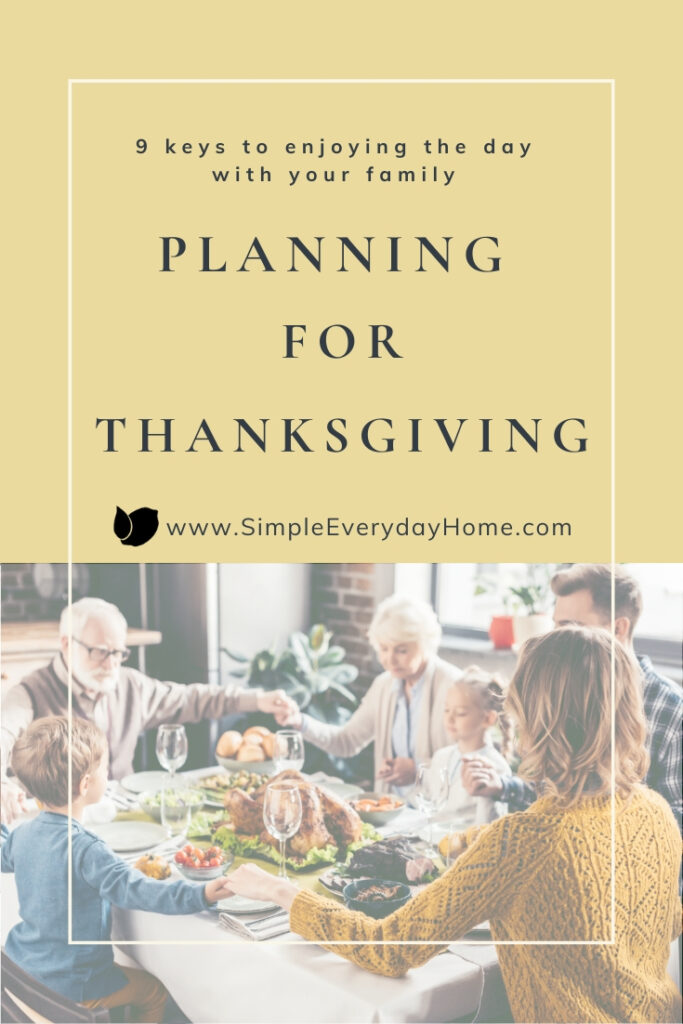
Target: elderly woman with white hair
403	708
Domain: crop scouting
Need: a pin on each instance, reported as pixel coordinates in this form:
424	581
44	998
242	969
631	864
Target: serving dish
380	908
150	802
378	816
229	763
202	874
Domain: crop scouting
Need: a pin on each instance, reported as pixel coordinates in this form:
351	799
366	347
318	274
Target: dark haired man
583	596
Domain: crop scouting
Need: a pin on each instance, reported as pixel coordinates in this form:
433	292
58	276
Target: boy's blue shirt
37	853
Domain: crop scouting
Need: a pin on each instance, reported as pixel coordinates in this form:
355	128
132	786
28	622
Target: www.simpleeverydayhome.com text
383	530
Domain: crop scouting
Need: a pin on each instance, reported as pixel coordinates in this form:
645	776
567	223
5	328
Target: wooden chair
27	1001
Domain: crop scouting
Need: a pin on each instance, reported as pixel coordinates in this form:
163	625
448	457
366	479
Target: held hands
480	778
217	889
399	771
13	801
257	884
289	717
276	702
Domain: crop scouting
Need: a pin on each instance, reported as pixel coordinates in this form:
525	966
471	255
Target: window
466	596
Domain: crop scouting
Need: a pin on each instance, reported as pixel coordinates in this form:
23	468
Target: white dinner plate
343	790
138	782
127	836
243	905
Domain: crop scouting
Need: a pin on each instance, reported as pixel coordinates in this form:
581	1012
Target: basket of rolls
251	750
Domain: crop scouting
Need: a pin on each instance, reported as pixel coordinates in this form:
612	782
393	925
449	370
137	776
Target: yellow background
532	340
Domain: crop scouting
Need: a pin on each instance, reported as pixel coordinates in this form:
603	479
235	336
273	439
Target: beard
101	683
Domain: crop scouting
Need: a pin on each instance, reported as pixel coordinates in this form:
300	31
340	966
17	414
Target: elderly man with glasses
120	700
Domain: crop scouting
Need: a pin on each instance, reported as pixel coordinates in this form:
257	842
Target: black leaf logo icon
138	527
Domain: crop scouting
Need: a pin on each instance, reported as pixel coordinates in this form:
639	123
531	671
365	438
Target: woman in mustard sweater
598	943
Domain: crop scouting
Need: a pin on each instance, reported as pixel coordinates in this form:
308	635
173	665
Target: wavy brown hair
561	697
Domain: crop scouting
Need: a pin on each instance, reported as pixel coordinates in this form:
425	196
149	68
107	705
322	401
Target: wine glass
176	810
171	748
288	751
431	793
282	815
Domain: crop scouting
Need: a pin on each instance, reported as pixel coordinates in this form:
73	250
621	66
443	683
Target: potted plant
501	628
310	669
313	672
524	606
532	597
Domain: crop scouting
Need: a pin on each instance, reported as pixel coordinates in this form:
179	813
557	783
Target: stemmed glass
431	793
282	815
171	748
172	753
288	751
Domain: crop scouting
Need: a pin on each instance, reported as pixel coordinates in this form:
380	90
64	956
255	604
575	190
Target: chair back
26	1001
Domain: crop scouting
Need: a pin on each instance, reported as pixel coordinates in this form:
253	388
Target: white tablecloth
218	980
278	981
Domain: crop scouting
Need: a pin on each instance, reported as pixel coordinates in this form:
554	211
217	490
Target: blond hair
561	697
40	757
402	619
489	690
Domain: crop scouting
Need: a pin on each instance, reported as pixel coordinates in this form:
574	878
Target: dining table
216	977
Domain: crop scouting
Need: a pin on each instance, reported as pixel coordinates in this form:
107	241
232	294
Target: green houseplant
310	669
532	599
524	604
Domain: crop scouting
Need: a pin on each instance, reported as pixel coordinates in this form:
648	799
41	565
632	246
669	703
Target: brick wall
20	602
344	596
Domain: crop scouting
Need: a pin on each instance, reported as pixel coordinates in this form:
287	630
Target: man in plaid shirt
584	598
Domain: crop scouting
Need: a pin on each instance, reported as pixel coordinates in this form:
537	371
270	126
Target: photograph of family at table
537	786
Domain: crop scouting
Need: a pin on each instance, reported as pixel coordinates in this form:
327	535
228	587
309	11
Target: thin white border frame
71	82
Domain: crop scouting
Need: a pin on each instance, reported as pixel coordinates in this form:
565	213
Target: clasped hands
480	777
277	703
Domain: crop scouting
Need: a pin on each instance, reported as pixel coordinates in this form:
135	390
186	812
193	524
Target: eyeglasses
100	654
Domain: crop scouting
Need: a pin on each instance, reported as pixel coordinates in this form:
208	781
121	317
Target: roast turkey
325	819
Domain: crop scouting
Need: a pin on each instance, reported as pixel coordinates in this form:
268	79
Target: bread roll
251	752
229	743
269	745
255	731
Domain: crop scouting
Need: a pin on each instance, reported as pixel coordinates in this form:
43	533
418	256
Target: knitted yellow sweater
543	875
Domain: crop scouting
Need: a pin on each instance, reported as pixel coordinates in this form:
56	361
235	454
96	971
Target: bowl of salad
150	802
201	865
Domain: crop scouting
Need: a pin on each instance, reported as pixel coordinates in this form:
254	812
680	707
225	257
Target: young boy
37	853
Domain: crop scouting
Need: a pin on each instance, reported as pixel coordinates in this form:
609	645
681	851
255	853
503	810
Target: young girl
474	704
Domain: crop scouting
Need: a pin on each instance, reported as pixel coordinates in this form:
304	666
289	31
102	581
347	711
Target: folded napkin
258	928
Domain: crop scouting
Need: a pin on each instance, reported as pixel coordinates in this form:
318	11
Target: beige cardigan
374	719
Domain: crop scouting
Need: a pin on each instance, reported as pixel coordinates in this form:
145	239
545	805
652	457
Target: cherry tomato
214	862
213	851
180	857
188	849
